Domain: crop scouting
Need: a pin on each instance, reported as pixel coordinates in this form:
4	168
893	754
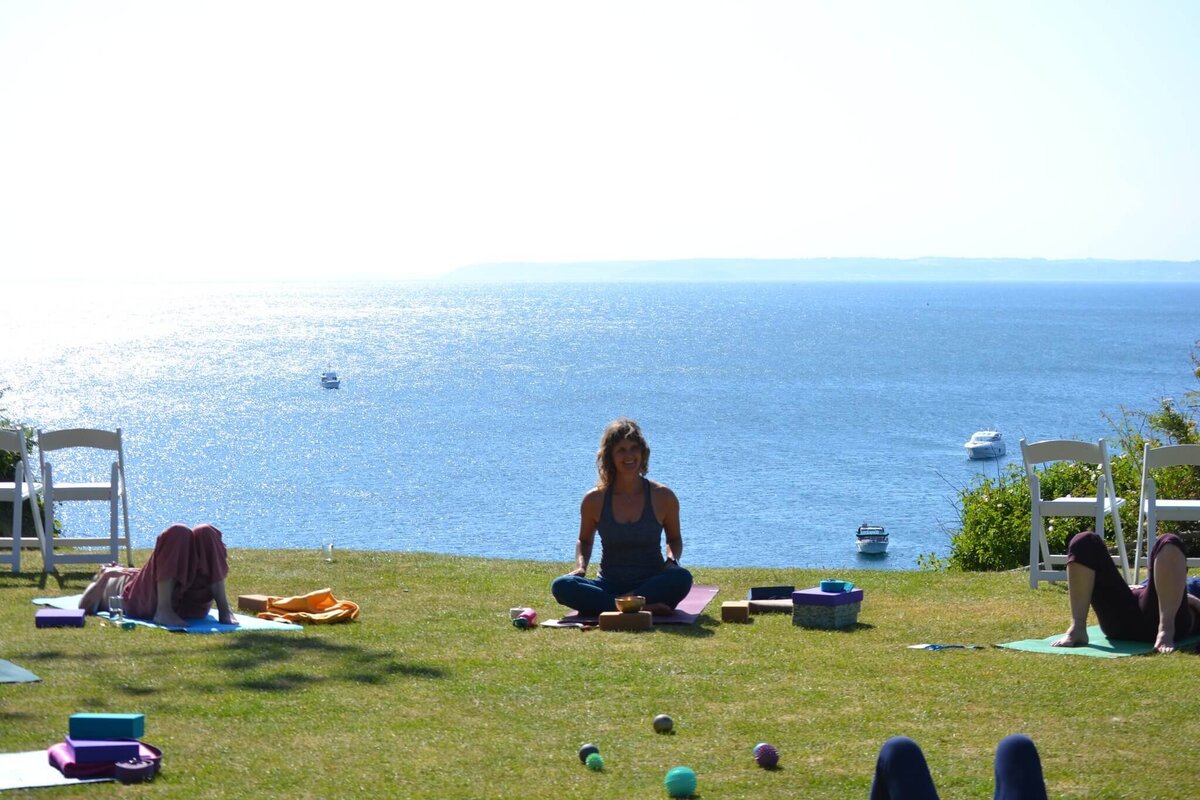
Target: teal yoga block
107	726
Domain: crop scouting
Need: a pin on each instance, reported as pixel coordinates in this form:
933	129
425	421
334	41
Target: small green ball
680	782
595	762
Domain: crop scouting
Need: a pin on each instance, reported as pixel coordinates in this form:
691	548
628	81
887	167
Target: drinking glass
116	606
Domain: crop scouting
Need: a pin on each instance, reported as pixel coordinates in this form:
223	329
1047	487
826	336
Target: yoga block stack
59	617
813	608
106	746
770	599
620	621
104	738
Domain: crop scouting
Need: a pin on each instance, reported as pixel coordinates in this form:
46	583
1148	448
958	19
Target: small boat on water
985	444
871	540
329	380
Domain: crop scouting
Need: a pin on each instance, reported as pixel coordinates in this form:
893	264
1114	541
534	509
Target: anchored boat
871	539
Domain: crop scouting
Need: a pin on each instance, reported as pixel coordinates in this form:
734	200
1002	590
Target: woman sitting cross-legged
180	581
631	513
1159	611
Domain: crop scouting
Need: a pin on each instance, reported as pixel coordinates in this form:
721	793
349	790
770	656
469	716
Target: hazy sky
396	139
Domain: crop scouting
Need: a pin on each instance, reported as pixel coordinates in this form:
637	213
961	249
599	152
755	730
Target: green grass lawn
433	693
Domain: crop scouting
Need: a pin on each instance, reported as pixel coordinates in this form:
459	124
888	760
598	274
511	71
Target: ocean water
783	415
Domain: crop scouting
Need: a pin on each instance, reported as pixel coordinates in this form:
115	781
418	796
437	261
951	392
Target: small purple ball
766	756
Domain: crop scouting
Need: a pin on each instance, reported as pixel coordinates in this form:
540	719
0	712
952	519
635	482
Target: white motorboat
985	444
871	539
329	380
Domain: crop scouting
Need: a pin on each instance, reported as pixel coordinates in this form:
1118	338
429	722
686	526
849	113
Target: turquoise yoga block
107	726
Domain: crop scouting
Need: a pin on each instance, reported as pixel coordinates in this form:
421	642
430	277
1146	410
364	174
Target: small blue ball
595	762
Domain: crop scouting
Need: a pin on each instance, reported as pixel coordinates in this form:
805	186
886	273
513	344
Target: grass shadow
350	663
704	627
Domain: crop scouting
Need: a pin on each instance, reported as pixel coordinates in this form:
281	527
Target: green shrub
995	513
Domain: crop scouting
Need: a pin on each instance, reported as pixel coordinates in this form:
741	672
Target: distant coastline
721	270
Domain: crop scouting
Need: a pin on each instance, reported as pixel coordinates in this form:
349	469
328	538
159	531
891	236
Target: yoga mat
31	770
686	613
208	625
1098	646
11	673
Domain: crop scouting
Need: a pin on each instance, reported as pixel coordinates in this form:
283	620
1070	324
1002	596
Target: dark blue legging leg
1018	770
669	586
901	772
588	597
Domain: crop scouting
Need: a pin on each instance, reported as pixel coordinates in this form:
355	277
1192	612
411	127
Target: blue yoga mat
31	770
208	625
11	673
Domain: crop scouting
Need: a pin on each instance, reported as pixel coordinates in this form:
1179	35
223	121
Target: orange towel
318	607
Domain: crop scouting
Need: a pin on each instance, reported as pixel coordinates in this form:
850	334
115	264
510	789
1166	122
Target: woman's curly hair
617	431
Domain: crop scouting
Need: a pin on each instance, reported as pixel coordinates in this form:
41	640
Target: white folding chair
113	490
17	491
1152	508
1042	562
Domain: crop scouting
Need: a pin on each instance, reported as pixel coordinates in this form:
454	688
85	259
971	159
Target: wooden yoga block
772	606
107	726
253	603
617	621
59	618
735	611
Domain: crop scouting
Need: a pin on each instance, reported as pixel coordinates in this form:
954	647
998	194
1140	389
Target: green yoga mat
1098	646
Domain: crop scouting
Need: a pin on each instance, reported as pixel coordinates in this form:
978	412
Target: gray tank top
631	550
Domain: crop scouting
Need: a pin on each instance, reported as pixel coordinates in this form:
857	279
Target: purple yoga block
815	597
91	751
59	618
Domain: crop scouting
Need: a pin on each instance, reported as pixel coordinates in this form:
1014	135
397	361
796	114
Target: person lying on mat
179	582
902	774
631	513
1159	611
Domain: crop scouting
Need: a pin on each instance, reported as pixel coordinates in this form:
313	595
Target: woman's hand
578	572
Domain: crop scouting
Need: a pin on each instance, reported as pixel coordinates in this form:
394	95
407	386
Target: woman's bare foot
1165	643
1072	638
659	609
169	619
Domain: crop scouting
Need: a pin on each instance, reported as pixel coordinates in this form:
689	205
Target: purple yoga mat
686	613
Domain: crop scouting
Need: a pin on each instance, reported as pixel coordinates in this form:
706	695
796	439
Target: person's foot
1072	638
169	620
659	609
1165	643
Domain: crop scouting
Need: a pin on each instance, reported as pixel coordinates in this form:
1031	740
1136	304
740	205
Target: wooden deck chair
17	491
1152	508
84	549
1043	563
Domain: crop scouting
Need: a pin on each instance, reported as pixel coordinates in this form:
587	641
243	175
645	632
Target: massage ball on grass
680	782
766	755
663	724
586	751
595	762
